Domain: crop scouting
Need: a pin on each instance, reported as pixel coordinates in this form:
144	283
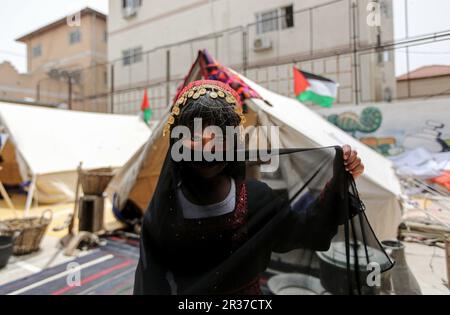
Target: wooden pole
70	92
76	203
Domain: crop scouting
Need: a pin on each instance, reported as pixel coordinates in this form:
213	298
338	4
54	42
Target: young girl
209	229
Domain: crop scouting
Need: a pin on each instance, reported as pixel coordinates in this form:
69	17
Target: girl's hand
352	162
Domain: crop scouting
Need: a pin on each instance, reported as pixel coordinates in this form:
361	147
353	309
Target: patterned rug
108	270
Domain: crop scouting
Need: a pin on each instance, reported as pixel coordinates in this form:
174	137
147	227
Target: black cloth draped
317	206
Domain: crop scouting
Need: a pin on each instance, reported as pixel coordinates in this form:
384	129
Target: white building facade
152	43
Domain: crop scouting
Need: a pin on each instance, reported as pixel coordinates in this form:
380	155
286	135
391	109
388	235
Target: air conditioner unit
262	43
129	12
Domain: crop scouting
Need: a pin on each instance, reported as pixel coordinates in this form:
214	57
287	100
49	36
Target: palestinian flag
314	88
145	108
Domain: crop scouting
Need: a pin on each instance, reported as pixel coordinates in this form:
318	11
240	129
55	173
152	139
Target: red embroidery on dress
240	215
241	207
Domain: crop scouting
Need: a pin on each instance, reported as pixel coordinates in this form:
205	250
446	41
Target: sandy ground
429	267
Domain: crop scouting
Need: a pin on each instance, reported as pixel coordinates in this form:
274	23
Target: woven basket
94	182
29	231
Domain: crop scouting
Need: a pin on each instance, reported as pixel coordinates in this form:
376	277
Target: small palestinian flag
312	88
145	108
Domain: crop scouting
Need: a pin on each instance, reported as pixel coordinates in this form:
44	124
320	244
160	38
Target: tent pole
30	196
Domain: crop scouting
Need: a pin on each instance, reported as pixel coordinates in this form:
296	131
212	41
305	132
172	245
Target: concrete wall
186	26
424	87
14	85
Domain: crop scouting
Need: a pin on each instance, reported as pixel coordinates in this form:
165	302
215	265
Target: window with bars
75	36
131	4
36	51
273	20
130	8
131	56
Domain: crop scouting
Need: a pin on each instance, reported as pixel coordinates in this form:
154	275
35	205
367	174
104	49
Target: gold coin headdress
204	88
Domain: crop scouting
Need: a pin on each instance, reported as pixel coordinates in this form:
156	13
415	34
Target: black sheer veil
319	189
305	220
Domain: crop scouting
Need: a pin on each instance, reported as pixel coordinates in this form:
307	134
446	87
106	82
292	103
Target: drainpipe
355	52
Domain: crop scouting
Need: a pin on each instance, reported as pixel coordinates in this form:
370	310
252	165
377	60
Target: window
75	36
287	17
133	55
36	51
131	4
126	57
105	36
267	21
130	8
273	20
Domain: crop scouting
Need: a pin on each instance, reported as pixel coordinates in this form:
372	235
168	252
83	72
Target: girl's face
207	141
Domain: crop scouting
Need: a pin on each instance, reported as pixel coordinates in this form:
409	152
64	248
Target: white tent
299	127
49	144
